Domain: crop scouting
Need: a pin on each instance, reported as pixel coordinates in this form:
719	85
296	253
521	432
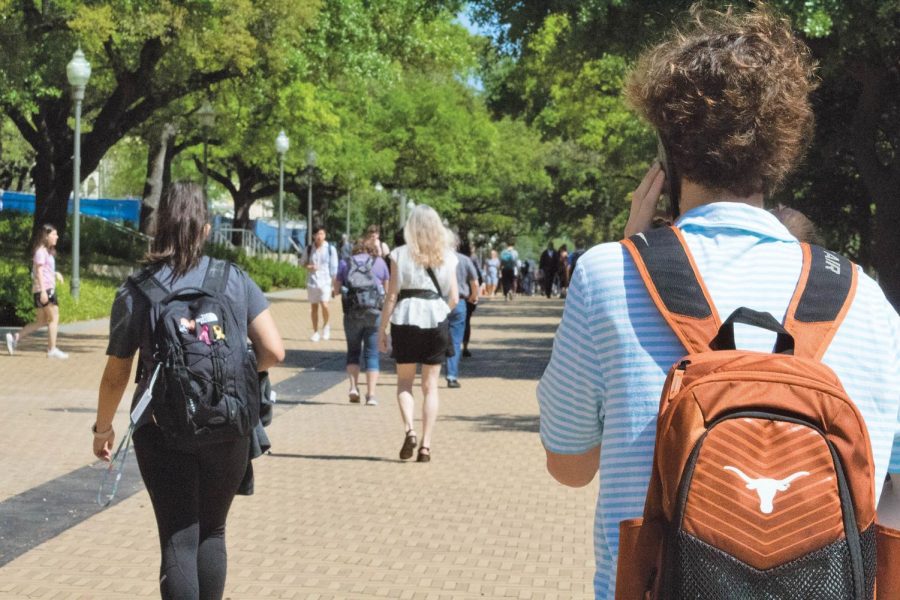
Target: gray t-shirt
131	311
465	272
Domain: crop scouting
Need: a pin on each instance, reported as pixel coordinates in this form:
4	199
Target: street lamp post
282	143
379	189
78	72
349	192
310	166
207	117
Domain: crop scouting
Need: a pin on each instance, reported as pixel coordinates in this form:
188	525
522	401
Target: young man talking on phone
729	96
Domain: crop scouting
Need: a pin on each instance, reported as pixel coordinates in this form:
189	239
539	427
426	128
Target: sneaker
12	340
315	337
354	396
453	383
466	354
326	332
57	353
371	401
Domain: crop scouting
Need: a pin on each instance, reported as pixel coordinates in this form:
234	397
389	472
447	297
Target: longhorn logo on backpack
796	518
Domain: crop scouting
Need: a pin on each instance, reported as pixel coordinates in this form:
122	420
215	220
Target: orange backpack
763	478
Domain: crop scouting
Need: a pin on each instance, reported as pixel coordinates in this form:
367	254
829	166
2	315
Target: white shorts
317	295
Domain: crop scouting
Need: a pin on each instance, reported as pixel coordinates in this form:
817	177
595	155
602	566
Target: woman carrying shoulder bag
191	489
421	294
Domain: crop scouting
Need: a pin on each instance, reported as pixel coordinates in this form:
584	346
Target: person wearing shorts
421	294
320	260
44	280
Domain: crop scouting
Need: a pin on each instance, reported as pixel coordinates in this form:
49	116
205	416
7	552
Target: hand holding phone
672	187
644	200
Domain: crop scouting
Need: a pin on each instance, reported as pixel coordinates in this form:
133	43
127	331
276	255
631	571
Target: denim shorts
362	340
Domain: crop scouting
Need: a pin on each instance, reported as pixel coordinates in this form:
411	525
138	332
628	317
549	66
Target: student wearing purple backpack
361	281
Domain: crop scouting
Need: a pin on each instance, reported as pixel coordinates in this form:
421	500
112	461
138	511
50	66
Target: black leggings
468	332
191	495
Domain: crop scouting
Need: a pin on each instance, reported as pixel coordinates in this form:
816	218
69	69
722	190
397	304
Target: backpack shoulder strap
216	277
673	282
147	284
823	296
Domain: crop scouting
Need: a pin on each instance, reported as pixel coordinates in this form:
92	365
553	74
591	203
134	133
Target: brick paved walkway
335	514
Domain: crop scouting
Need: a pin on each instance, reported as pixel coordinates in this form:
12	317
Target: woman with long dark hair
191	489
44	278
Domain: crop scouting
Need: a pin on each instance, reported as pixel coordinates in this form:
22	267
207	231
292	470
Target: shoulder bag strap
674	284
434	280
823	296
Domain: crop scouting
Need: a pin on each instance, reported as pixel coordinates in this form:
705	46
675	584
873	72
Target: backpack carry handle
724	340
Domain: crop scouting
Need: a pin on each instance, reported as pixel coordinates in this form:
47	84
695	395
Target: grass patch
95	301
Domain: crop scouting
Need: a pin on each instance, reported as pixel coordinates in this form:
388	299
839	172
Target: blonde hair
426	236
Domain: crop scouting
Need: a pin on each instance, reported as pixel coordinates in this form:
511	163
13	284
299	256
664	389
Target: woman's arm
453	299
390	301
267	343
112	387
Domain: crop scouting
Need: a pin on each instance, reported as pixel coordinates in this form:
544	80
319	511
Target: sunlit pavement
336	514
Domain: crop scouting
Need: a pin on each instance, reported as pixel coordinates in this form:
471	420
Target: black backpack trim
827	287
672	273
824	292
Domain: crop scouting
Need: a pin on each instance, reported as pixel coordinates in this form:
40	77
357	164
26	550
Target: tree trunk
52	188
243	200
157	167
881	180
887	237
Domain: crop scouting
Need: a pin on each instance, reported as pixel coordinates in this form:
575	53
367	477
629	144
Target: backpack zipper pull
677	377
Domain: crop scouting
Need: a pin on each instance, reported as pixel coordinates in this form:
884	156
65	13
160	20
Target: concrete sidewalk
335	514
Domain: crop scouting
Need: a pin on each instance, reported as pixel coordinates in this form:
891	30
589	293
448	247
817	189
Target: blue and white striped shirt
613	349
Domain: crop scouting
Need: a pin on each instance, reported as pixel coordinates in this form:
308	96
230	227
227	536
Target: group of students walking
413	303
634	309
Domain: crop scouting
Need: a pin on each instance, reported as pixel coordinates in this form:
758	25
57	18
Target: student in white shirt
320	260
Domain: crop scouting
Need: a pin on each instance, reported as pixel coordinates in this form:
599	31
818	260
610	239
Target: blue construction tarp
113	209
267	231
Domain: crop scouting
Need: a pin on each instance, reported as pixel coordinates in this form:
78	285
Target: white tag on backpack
144	402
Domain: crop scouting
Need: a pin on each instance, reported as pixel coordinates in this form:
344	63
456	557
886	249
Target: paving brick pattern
336	514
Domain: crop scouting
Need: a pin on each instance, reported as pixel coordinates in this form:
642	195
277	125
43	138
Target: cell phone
672	187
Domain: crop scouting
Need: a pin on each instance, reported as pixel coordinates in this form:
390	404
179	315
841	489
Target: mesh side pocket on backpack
706	573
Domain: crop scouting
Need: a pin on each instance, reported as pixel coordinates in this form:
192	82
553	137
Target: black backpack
204	381
362	294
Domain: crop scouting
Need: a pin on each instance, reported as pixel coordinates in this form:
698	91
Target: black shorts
51	299
413	344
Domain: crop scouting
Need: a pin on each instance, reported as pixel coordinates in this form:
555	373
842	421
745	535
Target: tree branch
223	180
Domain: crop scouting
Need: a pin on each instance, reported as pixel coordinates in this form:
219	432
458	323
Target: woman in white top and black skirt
421	294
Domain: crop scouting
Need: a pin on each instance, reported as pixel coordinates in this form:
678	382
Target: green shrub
15	234
16	300
265	272
104	243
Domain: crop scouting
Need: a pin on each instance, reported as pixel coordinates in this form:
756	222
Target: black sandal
423	457
409	444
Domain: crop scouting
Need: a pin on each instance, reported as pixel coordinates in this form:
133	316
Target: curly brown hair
729	95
